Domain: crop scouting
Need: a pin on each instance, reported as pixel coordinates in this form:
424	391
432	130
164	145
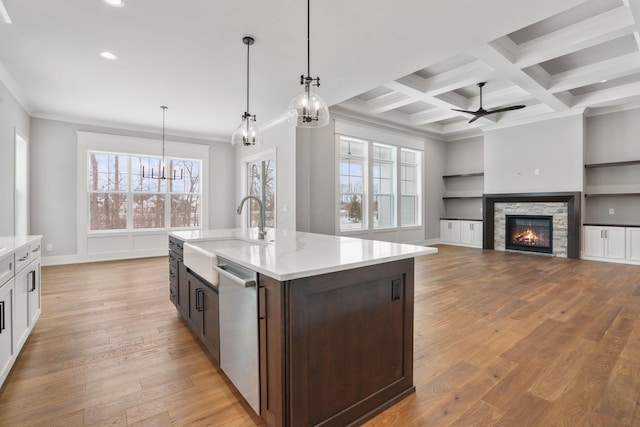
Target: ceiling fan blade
463	111
476	118
500	110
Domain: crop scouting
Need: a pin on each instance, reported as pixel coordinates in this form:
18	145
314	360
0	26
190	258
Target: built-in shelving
464	175
461	197
610	164
610	194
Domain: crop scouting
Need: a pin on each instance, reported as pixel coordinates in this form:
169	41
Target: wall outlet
519	173
612	211
49	247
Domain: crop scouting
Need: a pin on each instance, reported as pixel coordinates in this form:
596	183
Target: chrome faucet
261	232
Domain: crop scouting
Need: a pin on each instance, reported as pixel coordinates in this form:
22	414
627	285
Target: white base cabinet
20	303
450	231
7	349
461	232
633	244
616	244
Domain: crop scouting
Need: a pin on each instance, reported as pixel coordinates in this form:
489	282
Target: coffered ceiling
405	63
586	58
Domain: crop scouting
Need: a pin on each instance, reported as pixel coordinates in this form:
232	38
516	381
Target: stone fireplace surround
535	203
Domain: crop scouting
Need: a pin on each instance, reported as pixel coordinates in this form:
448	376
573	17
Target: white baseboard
617	261
77	259
460	244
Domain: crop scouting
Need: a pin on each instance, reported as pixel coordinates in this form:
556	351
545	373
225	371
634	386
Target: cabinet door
633	244
445	232
593	241
35	292
210	321
476	235
466	231
7	348
454	226
614	242
21	308
183	289
194	315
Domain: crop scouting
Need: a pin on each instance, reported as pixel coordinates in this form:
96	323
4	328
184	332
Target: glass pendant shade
308	109
247	133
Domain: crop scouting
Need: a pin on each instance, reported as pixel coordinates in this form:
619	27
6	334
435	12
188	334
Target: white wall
54	176
555	147
280	137
12	117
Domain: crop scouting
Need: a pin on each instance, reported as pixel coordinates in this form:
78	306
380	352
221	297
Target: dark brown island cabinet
335	349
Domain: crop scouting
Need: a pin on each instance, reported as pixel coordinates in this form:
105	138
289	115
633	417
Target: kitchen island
333	317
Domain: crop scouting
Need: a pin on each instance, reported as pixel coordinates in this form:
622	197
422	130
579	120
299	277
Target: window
384	198
352	179
261	182
410	186
121	199
376	190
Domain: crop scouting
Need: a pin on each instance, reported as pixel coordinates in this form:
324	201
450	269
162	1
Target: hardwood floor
500	339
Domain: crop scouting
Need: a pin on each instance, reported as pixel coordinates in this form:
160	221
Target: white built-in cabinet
461	232
450	231
609	243
20	297
633	244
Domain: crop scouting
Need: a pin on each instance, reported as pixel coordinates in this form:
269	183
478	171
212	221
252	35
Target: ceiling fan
481	112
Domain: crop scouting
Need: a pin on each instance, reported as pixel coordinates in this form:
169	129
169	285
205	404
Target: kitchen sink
199	256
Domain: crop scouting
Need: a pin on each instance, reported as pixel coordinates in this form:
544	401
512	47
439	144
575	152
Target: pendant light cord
163	111
248	46
308	37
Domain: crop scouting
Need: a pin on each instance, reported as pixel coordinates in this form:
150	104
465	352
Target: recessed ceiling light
116	3
108	55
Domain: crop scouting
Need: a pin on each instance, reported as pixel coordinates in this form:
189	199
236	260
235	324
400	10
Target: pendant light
308	109
247	133
173	175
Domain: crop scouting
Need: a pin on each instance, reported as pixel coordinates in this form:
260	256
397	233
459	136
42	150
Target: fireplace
533	233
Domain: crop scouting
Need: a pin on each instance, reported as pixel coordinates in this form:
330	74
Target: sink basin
198	256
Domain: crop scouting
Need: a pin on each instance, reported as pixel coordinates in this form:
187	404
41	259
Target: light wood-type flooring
500	339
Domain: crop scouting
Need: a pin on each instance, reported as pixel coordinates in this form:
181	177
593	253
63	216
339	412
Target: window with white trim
121	199
353	160
261	183
380	185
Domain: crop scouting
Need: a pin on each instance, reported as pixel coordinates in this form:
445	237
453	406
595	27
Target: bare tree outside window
262	184
108	186
120	198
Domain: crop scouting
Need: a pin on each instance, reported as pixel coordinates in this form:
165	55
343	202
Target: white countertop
9	244
288	255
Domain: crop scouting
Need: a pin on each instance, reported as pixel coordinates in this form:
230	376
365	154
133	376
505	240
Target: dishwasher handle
247	283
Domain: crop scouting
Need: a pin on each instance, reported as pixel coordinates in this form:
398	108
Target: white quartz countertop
287	255
9	244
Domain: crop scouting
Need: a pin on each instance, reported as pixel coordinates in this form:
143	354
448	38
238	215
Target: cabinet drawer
23	257
6	268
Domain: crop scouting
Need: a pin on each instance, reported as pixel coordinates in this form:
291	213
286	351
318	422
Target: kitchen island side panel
350	343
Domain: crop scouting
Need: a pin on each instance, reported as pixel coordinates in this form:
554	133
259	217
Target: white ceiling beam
605	70
448	101
608	96
431	116
387	102
465	75
590	32
492	56
634	7
501	97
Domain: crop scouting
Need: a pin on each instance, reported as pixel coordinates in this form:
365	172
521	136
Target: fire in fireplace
533	233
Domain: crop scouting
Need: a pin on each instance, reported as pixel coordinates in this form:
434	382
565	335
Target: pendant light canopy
173	174
308	109
247	133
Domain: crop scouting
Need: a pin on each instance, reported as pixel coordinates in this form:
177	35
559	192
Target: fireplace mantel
574	216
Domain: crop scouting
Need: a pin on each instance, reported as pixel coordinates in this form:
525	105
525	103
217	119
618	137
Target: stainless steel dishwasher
239	353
